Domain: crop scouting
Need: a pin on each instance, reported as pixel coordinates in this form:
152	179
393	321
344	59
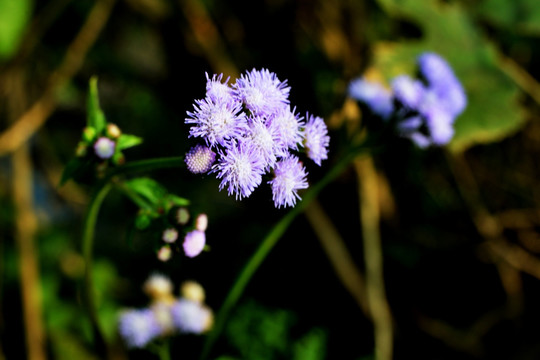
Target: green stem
88	241
147	165
101	191
266	246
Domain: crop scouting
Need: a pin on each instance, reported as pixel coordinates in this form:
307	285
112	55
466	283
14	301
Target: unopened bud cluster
193	235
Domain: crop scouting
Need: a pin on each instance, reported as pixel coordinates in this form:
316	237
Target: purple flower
199	159
218	91
286	124
289	177
240	170
194	243
138	327
407	91
439	123
441	78
265	140
191	317
374	95
262	92
104	147
316	139
216	121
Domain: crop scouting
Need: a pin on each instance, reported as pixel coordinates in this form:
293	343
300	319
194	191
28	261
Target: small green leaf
147	188
142	221
126	141
177	200
95	116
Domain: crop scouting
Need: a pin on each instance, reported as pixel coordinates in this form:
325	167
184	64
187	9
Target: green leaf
493	111
126	141
14	16
147	188
95	116
177	200
517	15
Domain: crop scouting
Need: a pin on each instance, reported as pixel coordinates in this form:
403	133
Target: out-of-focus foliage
448	30
257	332
522	16
14	17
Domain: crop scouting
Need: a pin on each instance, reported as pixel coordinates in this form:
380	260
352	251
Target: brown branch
34	118
25	229
336	250
208	37
376	294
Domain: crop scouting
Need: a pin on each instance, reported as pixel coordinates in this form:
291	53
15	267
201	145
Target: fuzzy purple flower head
254	132
289	177
138	327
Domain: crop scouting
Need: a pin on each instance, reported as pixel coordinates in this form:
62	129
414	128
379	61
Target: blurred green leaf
126	141
517	15
311	346
14	16
95	116
493	111
148	188
177	200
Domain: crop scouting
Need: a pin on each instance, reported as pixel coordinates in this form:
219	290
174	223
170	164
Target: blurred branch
369	218
25	229
520	76
37	115
208	37
334	247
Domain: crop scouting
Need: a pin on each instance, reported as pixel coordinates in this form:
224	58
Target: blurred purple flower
138	327
191	317
374	95
104	147
194	243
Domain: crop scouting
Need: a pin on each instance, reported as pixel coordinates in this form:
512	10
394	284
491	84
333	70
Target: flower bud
164	254
169	235
201	223
113	131
89	134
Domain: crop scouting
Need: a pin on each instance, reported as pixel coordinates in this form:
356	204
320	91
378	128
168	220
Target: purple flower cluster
166	315
249	129
424	109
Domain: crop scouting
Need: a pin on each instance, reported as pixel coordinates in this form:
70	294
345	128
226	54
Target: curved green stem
266	246
101	191
88	241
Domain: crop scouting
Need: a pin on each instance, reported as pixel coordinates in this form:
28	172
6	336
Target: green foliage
126	141
14	16
516	15
493	111
261	333
311	346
